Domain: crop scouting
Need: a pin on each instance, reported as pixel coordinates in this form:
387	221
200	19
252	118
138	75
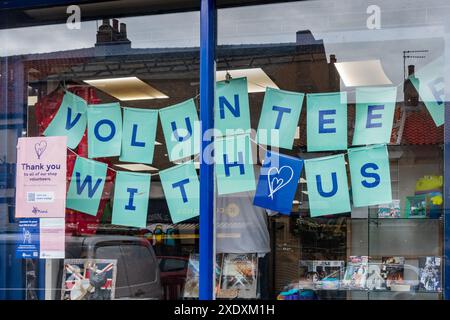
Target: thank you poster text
41	177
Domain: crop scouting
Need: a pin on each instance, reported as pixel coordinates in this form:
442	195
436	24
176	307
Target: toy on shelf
427	200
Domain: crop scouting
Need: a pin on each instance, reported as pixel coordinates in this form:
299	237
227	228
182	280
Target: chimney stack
333	76
123	30
108	35
116	25
410	93
332	58
307	44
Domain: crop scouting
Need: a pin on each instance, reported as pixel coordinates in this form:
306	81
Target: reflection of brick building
112	35
301	66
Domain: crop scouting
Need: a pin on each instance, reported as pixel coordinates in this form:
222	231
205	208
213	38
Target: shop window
324	246
142	64
303	82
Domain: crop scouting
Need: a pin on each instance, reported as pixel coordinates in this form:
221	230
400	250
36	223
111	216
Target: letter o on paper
111	133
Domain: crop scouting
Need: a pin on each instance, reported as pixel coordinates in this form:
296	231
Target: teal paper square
104	114
232	147
181	115
379	126
139	134
130	207
92	174
326	121
323	169
182	191
430	83
279	118
370	175
232	113
70	120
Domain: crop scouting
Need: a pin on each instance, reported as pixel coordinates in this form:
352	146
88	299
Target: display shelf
380	291
403	218
410	238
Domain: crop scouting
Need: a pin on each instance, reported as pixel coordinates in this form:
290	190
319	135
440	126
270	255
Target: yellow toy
431	186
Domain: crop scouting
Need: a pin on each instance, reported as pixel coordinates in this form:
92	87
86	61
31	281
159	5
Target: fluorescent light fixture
157	143
189	159
362	73
136	167
127	88
257	79
302	180
297	133
395	154
32	100
196	163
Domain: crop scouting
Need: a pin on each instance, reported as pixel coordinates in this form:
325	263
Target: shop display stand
411	238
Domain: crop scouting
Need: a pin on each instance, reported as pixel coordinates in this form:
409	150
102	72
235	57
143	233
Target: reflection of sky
405	25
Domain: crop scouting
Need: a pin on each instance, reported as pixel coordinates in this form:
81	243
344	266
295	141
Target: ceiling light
395	154
136	167
257	79
362	73
188	159
297	133
32	100
127	89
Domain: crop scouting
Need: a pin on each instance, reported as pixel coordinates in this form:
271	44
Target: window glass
174	265
314	72
143	273
141	64
123	289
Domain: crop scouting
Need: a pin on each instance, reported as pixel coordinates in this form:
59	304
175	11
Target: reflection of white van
137	277
137	266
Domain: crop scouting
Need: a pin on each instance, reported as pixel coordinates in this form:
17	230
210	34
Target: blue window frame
208	25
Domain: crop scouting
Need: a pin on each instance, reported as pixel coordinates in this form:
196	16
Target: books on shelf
417	206
239	276
329	273
430	274
374	279
361	273
389	210
192	275
321	274
356	272
392	269
89	279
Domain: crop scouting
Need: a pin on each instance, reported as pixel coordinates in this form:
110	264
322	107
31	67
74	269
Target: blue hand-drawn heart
40	148
278	178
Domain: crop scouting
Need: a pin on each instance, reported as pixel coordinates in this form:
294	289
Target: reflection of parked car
173	275
138	275
137	267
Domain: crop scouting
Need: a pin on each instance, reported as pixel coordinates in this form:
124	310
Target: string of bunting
131	136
